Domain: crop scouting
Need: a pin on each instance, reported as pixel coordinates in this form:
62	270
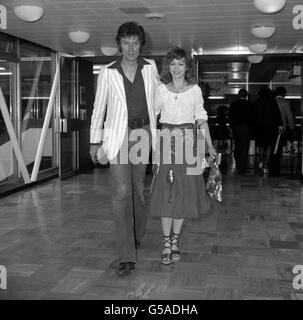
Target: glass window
37	73
6	152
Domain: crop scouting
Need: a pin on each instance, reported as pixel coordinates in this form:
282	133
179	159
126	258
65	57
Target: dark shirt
134	91
267	113
240	113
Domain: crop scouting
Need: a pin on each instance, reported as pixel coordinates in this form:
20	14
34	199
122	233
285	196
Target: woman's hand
212	152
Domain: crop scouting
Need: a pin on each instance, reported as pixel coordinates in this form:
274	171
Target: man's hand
93	153
280	129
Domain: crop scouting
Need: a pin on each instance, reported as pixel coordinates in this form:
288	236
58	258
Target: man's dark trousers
241	136
129	206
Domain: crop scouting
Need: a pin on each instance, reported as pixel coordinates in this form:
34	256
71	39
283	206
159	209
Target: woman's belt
181	126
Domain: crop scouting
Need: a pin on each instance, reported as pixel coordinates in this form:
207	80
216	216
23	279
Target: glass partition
7	171
36	73
26	78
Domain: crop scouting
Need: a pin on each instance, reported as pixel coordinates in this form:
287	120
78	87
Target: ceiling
218	30
211	26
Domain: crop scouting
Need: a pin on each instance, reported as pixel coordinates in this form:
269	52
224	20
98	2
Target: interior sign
3	17
297	21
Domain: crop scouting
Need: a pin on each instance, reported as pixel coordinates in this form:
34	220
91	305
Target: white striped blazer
110	96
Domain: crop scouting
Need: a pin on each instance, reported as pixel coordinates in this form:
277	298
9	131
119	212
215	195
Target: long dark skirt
176	193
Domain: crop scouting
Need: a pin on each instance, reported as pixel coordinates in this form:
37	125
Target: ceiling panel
209	24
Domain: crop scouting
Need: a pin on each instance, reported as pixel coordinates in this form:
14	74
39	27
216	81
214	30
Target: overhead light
258	47
294	97
269	6
109	51
197	52
263	32
154	16
28	13
255	58
235	75
5	73
86	53
216	97
79	36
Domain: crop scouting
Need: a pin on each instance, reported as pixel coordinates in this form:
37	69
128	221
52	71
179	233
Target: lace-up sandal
175	246
166	255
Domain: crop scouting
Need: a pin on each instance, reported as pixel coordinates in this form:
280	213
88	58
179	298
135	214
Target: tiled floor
56	241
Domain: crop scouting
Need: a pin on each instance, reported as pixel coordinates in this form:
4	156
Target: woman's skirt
179	189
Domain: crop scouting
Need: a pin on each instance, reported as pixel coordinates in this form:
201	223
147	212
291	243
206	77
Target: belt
181	126
137	123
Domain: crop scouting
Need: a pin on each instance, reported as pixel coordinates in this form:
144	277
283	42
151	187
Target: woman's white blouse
182	107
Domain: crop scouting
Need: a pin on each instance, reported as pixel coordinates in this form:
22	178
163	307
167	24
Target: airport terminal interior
56	222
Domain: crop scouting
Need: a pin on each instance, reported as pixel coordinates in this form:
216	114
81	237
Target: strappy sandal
175	243
166	255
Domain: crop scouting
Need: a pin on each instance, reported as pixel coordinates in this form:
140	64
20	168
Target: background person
268	124
240	120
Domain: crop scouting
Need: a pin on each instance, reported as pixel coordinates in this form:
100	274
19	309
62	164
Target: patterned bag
214	179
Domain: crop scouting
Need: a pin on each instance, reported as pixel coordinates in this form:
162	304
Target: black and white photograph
151	153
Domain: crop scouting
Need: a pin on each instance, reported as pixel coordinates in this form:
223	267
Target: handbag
214	179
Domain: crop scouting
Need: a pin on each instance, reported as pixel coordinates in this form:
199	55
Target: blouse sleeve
159	99
200	112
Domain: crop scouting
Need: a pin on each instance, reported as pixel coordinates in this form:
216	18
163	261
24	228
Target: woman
179	193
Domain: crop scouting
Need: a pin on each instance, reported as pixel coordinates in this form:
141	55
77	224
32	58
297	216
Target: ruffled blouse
182	107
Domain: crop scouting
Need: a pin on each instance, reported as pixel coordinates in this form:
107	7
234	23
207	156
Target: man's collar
141	63
115	65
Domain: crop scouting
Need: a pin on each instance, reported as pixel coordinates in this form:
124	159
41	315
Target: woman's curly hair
179	54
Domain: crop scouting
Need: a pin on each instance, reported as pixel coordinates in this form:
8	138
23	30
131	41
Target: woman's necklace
177	90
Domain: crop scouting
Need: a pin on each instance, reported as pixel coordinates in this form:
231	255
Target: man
287	131
240	120
268	125
125	90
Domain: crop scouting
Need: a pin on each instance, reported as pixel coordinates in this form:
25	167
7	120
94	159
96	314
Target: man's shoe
125	268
